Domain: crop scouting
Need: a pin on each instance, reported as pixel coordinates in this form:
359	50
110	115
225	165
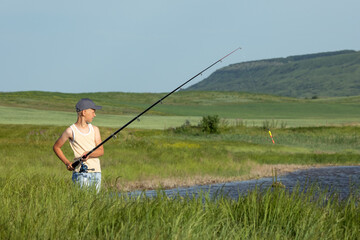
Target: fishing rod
78	161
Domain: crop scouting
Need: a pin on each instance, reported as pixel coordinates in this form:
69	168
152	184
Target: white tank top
81	143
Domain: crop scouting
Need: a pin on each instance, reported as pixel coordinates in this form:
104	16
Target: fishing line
78	161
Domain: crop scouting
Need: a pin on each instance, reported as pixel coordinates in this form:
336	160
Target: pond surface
342	179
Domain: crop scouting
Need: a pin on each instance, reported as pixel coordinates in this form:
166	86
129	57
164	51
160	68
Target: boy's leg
95	180
87	179
81	179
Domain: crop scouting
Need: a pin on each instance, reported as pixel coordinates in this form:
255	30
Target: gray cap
86	103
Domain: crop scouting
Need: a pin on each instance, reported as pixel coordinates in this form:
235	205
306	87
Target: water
342	180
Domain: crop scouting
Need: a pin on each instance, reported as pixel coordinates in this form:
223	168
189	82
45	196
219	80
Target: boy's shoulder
96	129
68	132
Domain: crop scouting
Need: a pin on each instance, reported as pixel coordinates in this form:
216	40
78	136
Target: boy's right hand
69	166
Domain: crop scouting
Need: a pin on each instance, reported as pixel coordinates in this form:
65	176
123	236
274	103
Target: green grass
48	108
36	192
39	206
145	155
39	201
17	115
225	104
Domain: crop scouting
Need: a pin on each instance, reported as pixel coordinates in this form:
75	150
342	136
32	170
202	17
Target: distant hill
328	74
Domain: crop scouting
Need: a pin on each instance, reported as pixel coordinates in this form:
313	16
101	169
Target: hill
329	74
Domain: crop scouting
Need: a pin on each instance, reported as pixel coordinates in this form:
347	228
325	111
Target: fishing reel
84	168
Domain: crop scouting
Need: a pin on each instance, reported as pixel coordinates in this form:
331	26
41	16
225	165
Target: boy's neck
81	123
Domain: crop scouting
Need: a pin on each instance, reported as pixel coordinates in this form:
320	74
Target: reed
39	206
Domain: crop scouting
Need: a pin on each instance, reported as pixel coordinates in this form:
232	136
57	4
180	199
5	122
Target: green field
36	191
302	129
57	109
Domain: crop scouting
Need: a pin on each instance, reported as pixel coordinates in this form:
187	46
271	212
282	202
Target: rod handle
77	162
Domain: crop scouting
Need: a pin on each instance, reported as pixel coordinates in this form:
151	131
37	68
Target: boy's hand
69	166
84	159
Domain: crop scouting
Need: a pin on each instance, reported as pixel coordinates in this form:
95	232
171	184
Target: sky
77	46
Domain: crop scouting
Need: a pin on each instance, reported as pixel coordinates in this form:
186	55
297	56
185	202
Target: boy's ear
81	113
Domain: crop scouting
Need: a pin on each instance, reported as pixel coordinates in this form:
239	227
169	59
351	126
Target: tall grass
154	155
39	201
38	206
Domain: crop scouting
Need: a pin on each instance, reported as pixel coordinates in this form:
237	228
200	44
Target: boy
83	137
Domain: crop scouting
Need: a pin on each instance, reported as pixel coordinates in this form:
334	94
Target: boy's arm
67	134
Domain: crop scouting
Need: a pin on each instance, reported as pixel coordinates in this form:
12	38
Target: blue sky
154	46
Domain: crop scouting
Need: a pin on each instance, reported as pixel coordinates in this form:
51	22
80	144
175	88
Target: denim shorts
87	180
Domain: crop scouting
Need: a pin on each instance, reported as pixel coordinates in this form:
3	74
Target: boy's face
89	115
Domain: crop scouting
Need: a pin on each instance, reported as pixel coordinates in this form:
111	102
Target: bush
210	124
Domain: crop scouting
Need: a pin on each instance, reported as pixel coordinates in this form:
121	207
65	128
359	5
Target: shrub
210	124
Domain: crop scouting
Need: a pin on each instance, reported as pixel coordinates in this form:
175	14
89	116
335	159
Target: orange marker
271	137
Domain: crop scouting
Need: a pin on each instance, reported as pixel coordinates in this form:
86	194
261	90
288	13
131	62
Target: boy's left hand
85	159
